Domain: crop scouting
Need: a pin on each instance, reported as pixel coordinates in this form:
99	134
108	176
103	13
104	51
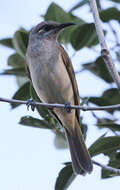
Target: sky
28	157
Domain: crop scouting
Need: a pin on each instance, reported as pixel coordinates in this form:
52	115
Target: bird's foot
68	107
31	103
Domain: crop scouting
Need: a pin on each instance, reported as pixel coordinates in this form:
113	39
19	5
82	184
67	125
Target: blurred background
31	158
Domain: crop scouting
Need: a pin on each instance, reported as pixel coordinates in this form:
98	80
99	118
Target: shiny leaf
16	60
109	97
7	42
109	124
105	145
84	35
65	178
110	14
15	71
20	42
23	93
99	69
34	122
56	13
114	162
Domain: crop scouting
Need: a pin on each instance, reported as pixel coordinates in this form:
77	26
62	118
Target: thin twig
104	49
115	34
51	106
114	170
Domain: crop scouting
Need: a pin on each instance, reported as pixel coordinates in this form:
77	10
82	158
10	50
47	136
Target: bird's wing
69	67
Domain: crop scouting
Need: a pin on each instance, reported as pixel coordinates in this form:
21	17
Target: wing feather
69	67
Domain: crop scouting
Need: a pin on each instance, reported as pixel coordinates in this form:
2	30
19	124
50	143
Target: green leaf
84	35
65	178
109	97
78	5
15	71
110	14
16	61
105	145
114	162
109	124
99	69
56	13
23	93
20	42
7	42
34	122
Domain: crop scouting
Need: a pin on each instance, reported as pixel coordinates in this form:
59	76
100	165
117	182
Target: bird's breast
50	77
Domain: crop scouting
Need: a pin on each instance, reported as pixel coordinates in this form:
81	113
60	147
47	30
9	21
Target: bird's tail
81	160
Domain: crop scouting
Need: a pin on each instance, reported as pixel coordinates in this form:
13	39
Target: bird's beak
59	27
64	25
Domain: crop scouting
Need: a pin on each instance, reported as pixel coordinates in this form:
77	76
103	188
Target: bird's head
49	29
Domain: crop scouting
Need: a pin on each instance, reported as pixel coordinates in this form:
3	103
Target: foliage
80	36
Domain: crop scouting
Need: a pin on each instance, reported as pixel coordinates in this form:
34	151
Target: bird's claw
31	103
68	107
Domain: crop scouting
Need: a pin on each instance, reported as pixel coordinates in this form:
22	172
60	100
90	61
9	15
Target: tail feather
81	160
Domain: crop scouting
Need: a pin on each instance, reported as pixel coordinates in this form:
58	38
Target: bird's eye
47	28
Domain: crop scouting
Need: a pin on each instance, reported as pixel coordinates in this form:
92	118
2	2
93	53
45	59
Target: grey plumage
54	81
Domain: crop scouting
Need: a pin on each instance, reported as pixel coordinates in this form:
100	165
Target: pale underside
53	85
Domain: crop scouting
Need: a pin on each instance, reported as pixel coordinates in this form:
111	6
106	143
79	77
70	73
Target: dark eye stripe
48	27
44	28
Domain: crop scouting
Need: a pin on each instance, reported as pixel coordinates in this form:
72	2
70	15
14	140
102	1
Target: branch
84	108
104	49
114	170
51	106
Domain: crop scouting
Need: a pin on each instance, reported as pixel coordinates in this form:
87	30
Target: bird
51	72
